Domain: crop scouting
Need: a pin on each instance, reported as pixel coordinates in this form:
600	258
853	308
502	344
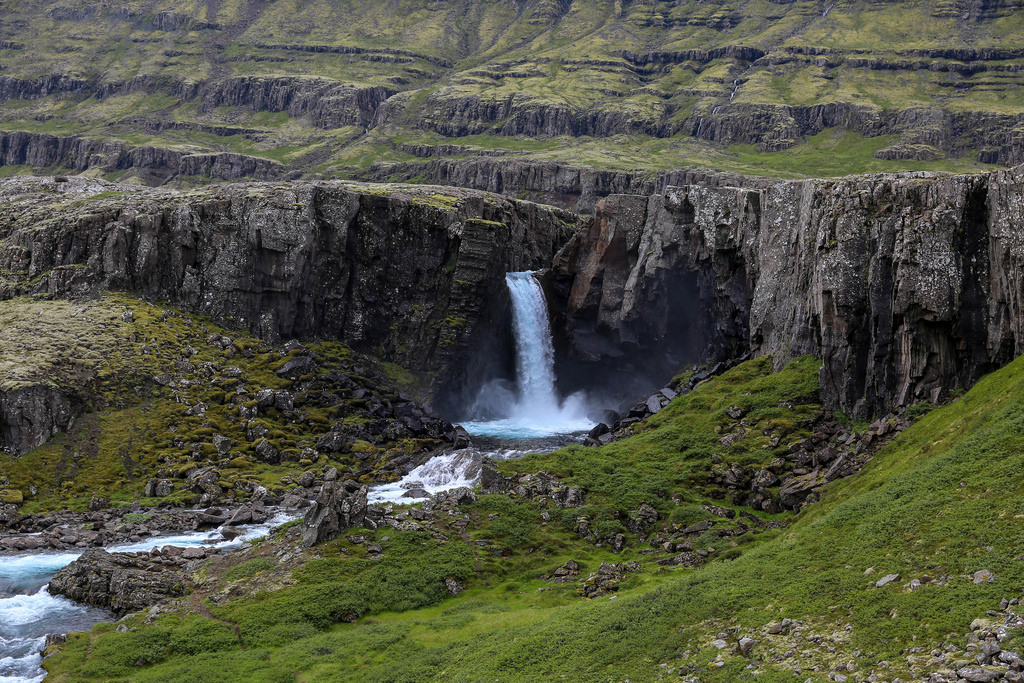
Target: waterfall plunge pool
526	419
533	409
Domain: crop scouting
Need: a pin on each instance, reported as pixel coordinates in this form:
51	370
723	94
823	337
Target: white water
28	612
440	473
535	409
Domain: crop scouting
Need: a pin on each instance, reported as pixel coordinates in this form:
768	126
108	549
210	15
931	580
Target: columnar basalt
906	286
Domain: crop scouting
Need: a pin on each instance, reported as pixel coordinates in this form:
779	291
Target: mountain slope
155	90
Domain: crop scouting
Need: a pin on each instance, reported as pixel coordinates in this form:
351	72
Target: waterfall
533	409
535	356
525	418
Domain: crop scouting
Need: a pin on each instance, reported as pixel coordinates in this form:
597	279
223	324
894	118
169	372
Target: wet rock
461	438
253	513
122	582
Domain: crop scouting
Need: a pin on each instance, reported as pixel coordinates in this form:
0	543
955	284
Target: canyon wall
906	286
413	275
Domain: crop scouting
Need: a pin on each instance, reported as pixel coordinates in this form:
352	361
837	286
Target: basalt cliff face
414	275
906	286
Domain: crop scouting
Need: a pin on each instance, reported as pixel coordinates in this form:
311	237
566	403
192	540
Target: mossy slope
943	500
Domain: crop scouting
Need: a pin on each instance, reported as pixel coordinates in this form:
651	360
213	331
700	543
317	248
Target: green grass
943	499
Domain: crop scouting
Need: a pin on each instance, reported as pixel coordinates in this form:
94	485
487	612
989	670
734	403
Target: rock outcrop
155	165
906	286
569	186
341	504
31	415
122	582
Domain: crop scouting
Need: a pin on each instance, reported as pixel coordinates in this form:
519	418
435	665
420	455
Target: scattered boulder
297	367
267	452
606	579
886	580
340	505
565	573
158	488
984	576
222	444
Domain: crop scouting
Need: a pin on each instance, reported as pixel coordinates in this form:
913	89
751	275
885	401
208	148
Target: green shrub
249	568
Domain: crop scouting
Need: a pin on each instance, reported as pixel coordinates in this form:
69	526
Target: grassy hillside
940	502
629	85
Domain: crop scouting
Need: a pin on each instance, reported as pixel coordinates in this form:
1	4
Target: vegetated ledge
155	164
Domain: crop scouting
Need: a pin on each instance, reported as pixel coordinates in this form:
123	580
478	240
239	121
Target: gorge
464	340
820	319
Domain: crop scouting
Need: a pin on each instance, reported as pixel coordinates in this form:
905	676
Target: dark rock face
904	285
340	505
577	188
122	582
413	279
328	104
31	415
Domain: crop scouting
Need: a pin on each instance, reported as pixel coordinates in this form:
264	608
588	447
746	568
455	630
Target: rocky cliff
906	286
414	275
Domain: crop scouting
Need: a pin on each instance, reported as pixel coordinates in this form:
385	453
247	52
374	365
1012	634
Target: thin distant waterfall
535	356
